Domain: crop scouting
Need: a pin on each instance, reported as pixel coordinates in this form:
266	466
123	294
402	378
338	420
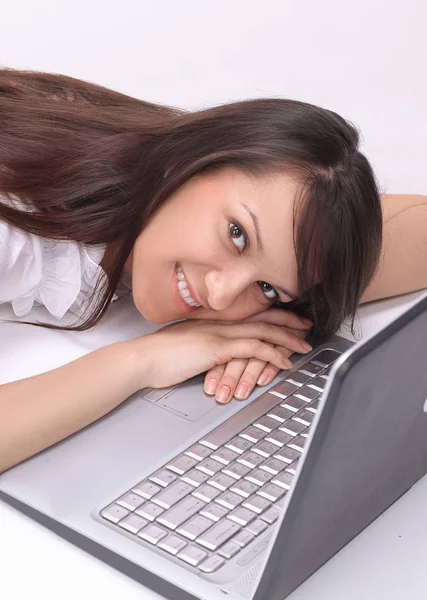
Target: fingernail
242	391
262	379
307	321
223	394
211	386
307	347
288	364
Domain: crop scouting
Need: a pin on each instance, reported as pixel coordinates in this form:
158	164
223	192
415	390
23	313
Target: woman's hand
239	377
181	350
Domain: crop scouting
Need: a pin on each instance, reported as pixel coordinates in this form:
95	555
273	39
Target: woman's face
206	250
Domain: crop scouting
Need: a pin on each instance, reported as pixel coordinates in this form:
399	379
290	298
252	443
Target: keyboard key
244	488
195	477
214	512
133	523
259	476
207	493
318	383
294	403
284	480
229	550
221	481
287	455
152	534
225	455
270	516
241	515
278	438
326	357
326	373
130	501
281	413
265	448
266	424
257	503
311	369
306	417
243	538
218	534
299	378
192	555
146	489
307	393
172	544
292	468
237	470
298	443
199	451
149	511
273	465
210	466
271	492
194	527
114	513
239	444
257	527
182	464
292	427
284	389
173	493
251	459
314	405
229	499
176	516
253	434
163	477
211	564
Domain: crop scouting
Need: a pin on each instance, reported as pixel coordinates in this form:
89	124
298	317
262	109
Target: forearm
403	264
39	411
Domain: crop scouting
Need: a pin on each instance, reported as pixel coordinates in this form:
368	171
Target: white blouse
36	271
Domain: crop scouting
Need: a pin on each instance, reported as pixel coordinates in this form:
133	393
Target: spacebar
239	421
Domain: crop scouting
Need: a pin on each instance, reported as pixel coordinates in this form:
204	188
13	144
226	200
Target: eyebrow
261	246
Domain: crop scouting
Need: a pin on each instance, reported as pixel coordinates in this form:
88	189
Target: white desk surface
387	560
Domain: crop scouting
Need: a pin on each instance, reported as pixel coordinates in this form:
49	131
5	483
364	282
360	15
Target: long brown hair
93	165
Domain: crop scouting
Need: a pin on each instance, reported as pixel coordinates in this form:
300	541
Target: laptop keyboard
212	500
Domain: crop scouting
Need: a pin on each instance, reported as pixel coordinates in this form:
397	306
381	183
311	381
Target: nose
224	287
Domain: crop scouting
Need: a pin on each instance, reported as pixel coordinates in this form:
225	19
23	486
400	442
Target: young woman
235	223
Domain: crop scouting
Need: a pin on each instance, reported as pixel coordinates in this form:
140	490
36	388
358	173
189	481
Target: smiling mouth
183	286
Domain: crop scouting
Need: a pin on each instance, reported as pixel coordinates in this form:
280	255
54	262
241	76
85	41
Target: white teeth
182	288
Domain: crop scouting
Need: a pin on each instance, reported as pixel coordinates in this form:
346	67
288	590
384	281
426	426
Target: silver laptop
247	500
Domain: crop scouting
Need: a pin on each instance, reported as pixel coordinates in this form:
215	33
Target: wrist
133	364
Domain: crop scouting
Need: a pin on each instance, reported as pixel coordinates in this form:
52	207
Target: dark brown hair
93	165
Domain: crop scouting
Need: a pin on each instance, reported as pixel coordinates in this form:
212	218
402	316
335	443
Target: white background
366	59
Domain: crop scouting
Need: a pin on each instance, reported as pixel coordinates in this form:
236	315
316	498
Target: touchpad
187	400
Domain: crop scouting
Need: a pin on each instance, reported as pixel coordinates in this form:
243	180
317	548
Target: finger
212	379
249	377
256	372
251	348
227	385
267	375
265	332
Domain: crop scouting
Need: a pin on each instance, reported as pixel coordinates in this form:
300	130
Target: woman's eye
268	290
238	236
